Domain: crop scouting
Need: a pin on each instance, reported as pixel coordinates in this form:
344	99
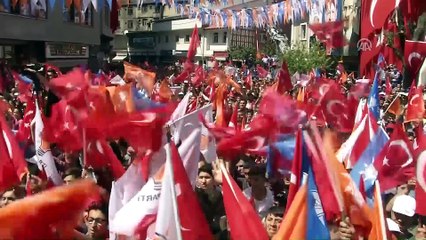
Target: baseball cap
405	205
392	225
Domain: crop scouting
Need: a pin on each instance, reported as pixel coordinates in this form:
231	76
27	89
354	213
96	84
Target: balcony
142	28
156	15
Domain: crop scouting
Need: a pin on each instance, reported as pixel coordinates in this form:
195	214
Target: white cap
392	225
405	205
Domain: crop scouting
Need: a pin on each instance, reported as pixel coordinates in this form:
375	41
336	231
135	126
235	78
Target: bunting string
260	17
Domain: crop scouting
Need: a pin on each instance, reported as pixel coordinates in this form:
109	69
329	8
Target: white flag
208	143
188	143
43	154
164	228
141	206
124	189
344	152
180	110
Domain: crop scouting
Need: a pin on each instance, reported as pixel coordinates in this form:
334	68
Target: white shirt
261	206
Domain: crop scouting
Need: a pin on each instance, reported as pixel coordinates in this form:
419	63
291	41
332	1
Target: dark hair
18	190
277	211
207	168
257	170
101	206
73	172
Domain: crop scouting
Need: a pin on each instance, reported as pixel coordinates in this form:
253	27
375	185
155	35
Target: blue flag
316	227
364	167
280	154
373	98
142	101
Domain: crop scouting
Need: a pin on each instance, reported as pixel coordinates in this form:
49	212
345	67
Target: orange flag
122	98
52	214
301	95
378	230
143	77
220	108
395	107
165	92
294	224
354	204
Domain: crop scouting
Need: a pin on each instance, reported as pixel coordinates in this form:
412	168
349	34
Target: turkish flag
193	45
331	33
370	49
242	218
420	172
62	127
337	109
380	11
71	87
416	106
100	154
24	129
414	54
261	71
12	164
283	83
395	163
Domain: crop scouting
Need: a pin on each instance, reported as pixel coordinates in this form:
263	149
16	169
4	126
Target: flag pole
390	105
169	164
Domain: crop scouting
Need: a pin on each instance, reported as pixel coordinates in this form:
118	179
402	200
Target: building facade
168	37
133	40
65	37
174	35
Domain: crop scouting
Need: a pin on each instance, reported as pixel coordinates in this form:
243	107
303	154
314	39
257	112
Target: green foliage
242	53
270	47
301	59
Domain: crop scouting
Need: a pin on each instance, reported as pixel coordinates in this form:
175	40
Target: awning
119	58
221	56
67	63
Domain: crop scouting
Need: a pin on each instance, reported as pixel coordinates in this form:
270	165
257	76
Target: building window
216	37
166	38
303	31
107	17
144	21
6	52
145	9
37	9
129	24
150	7
130	11
177	38
187	38
74	15
225	37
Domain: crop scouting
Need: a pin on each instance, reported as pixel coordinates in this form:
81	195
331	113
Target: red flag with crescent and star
414	54
395	162
420	155
415	106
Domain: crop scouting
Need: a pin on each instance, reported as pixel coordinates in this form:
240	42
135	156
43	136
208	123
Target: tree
302	59
242	53
270	47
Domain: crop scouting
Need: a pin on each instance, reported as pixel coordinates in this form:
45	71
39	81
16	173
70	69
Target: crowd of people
267	193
